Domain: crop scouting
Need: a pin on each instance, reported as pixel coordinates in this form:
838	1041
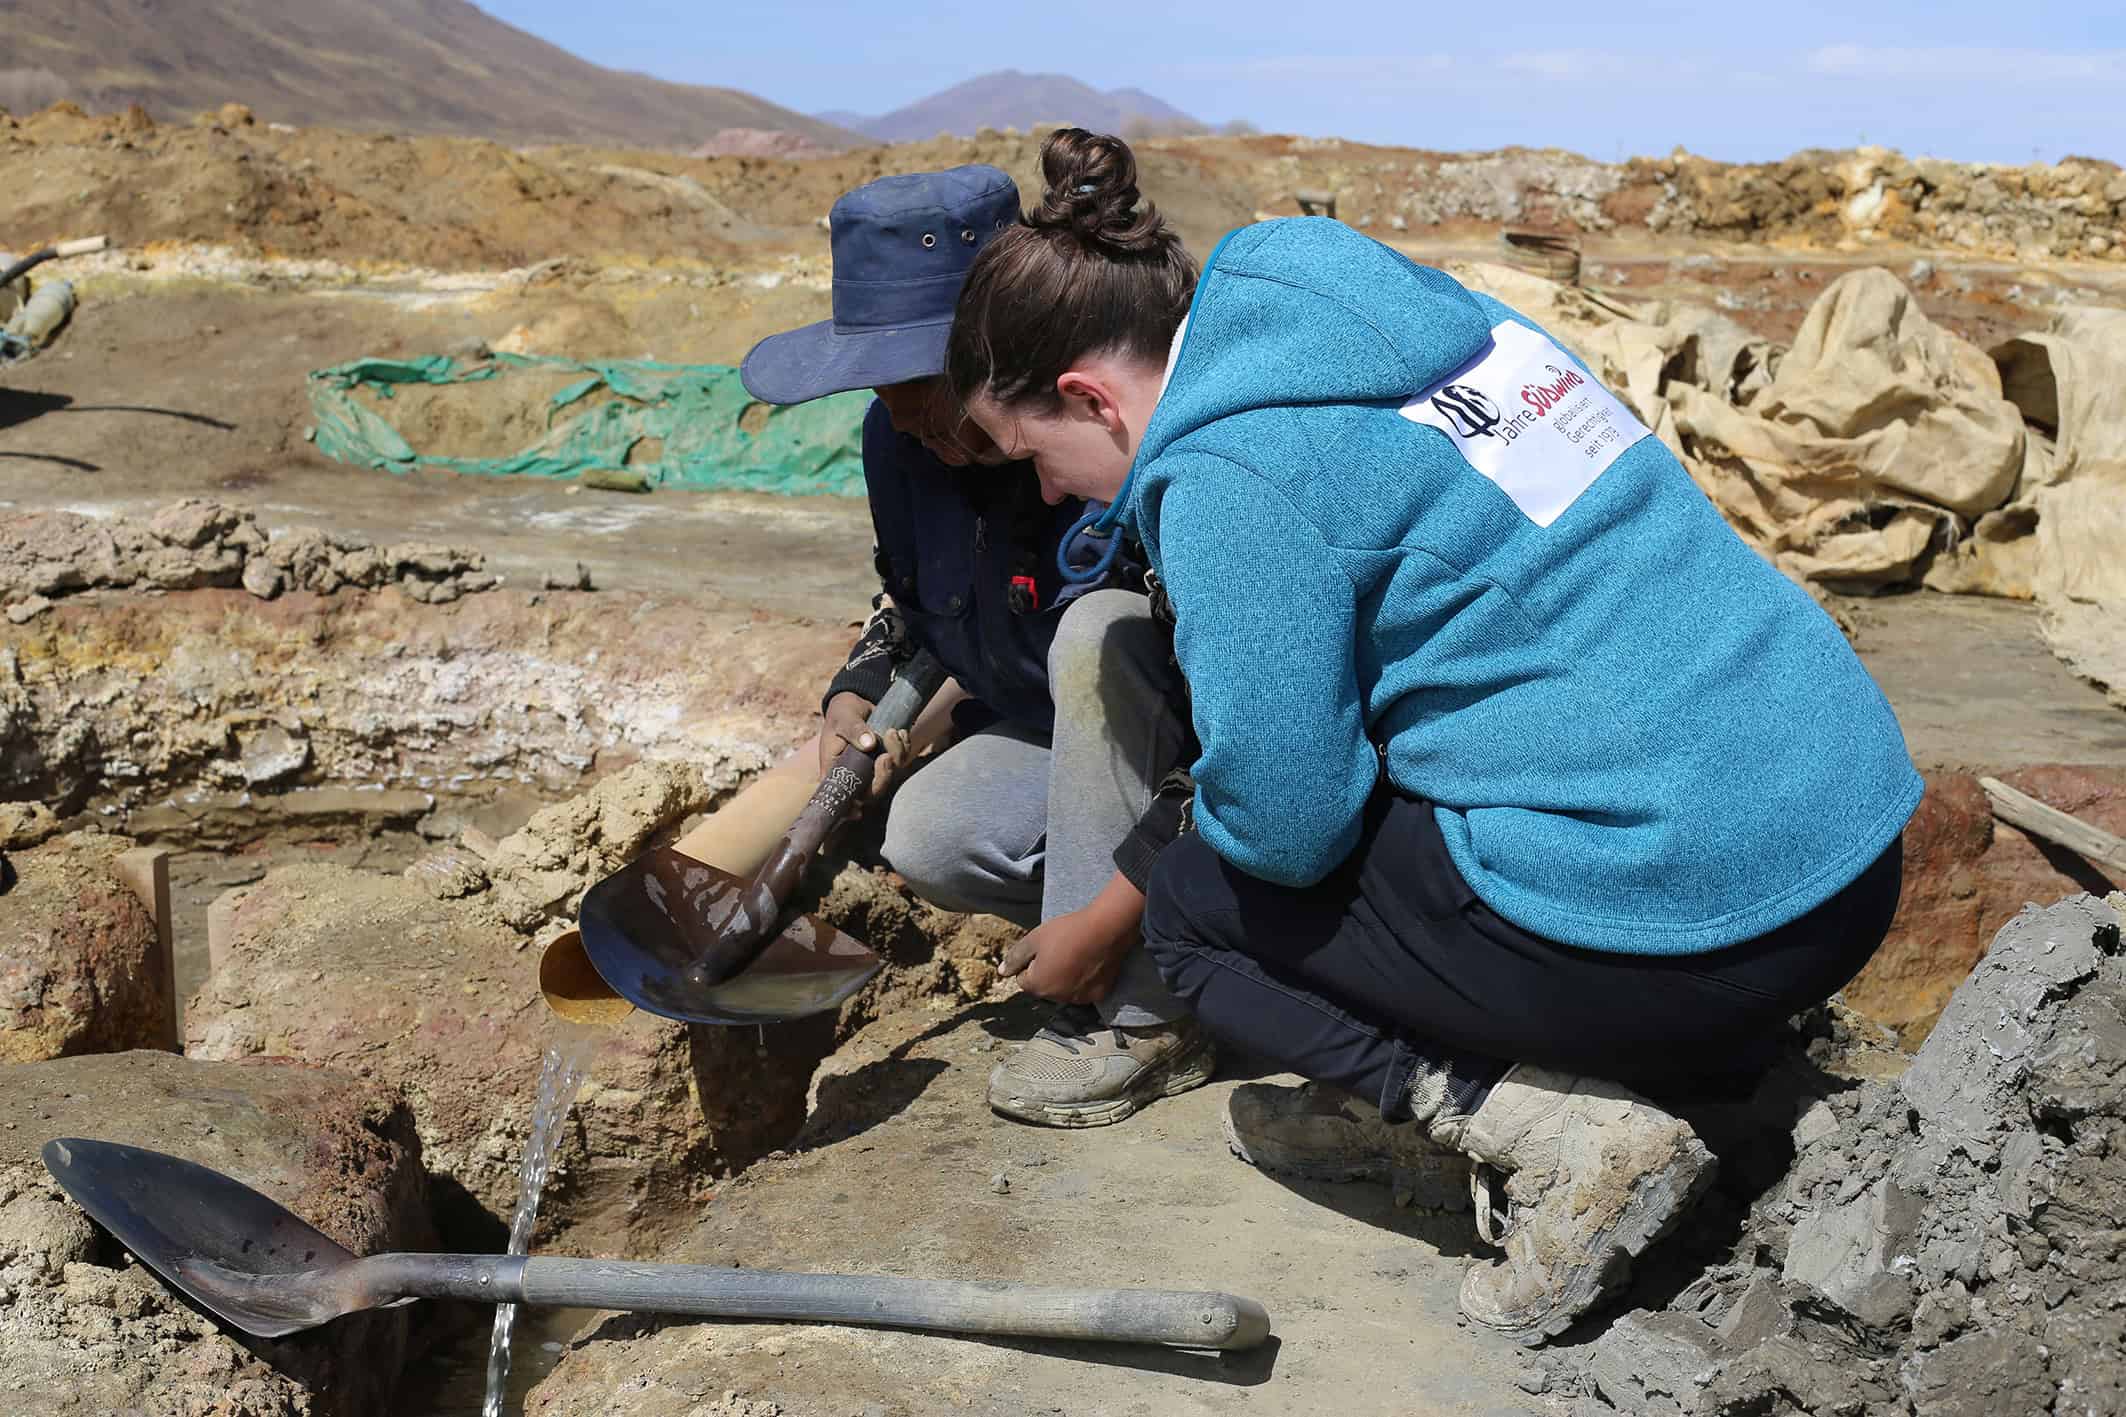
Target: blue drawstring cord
1071	574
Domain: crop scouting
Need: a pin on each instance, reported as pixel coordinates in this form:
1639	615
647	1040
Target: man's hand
1074	958
844	725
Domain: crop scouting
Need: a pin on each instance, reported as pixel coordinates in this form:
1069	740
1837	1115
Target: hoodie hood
1305	310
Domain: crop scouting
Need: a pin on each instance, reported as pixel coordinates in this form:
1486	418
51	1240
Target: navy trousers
1392	963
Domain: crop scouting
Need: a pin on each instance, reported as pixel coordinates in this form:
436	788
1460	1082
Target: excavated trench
297	753
189	684
309	746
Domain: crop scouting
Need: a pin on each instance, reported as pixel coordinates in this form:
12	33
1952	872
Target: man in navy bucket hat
902	246
1022	809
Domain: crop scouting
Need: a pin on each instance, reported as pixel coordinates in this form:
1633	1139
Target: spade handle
848	779
1173	1317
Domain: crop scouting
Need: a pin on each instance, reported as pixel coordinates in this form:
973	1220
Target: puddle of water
559	1077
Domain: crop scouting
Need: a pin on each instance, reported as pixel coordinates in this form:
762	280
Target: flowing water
559	1077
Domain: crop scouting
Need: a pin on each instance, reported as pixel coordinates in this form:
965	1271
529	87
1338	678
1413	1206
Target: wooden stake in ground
2061	828
146	872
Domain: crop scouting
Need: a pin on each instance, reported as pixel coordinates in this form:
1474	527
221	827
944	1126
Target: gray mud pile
1947	1242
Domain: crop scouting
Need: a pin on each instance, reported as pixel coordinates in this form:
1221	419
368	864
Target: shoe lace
1071	1026
1494	1208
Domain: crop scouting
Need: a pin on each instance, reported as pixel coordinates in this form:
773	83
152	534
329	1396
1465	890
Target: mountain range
407	66
1011	99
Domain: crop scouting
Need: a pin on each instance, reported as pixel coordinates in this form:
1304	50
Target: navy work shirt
950	540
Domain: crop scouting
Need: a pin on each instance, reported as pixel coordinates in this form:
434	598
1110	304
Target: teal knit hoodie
1391	511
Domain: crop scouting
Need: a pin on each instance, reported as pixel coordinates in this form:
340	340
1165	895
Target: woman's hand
1068	960
1074	958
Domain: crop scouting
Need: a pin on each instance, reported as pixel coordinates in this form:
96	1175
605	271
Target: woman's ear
1087	395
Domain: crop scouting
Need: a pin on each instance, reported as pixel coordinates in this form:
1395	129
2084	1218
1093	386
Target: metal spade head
647	927
195	1227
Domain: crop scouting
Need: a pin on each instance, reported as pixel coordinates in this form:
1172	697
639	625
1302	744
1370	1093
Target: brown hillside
408	66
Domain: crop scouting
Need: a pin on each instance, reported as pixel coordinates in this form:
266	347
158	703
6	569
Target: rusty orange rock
1966	875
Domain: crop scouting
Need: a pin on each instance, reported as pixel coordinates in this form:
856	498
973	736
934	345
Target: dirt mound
203	715
372	975
462	203
759	142
541	872
196	543
446	203
1944	1243
86	1330
81	968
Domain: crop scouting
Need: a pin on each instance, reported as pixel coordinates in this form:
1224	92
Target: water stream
559	1077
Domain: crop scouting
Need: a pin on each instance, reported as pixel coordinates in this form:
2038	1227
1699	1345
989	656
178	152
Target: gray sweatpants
1009	822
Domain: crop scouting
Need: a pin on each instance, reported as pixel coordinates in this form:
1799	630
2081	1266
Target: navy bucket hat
902	247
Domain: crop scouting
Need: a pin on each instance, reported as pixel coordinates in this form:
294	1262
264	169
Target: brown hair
1092	270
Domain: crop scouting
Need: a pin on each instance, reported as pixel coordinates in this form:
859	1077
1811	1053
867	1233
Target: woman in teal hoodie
1523	781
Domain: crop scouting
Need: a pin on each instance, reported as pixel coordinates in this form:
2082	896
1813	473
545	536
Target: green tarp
688	425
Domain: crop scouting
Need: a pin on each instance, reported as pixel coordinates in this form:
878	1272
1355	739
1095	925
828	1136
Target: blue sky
2000	82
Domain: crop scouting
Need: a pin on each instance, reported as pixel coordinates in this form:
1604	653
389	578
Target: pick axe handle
87	245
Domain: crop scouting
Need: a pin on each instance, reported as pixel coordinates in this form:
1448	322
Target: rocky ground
1944	1243
86	1331
223	642
457	204
901	1170
81	967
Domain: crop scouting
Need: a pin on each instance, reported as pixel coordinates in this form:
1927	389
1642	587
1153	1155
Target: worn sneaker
1079	1072
1320	1133
1594	1174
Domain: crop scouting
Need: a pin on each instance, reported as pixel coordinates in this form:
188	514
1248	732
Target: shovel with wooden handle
675	936
251	1262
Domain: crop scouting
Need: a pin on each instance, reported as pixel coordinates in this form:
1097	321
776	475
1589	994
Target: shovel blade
646	927
173	1214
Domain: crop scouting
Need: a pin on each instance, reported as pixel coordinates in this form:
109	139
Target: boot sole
1655	1206
1181	1071
1428	1193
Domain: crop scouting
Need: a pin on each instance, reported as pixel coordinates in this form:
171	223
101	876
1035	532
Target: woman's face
924	410
1085	447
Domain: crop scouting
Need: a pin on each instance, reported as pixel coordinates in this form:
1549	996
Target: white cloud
1554	63
1461	68
1364	69
1965	65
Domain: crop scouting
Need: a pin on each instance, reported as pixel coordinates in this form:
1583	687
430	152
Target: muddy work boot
1322	1133
1594	1174
1079	1072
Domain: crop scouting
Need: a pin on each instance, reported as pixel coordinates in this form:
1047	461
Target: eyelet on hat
929	240
967	235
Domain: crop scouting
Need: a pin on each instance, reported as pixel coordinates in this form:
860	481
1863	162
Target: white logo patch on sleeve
1530	419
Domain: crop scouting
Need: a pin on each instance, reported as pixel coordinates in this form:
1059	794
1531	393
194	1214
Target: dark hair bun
1092	193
